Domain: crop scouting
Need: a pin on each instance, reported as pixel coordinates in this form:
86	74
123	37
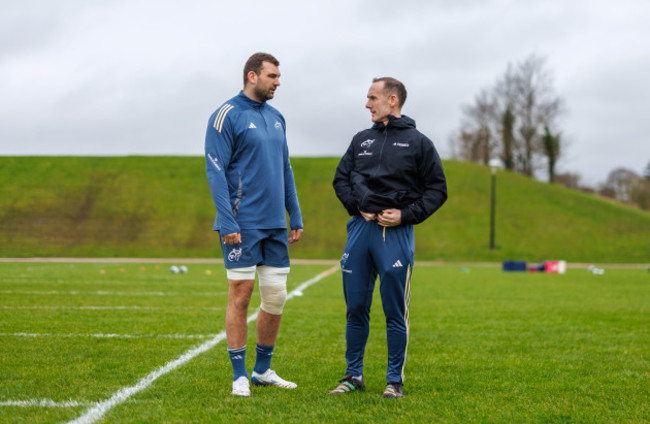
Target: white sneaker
270	378
241	387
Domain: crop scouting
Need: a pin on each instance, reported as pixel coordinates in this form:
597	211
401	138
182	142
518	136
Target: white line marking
111	308
46	403
112	336
97	412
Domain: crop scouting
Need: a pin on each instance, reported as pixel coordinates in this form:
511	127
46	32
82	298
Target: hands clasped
385	218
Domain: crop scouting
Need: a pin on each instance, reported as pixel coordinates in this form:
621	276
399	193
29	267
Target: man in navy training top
390	179
251	181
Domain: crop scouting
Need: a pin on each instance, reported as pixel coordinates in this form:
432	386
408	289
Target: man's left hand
295	235
389	218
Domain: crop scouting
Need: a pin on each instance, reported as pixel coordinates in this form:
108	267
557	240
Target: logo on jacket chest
366	145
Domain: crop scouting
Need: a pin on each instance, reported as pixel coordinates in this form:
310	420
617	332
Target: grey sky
142	77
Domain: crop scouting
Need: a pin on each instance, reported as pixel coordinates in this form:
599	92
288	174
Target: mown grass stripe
45	403
112	336
110	293
116	308
98	411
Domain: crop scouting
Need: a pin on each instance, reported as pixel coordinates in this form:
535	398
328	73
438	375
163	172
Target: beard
263	95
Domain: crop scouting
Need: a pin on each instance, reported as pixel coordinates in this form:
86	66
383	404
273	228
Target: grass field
139	344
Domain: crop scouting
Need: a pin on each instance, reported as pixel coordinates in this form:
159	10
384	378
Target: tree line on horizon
515	122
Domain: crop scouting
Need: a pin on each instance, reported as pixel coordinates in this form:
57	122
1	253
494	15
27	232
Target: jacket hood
403	122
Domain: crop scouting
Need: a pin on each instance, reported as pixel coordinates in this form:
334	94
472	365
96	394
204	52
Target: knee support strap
273	288
247	273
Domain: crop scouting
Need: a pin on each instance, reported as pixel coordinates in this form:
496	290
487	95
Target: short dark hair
393	86
255	63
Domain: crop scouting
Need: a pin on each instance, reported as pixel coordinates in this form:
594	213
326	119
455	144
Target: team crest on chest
367	143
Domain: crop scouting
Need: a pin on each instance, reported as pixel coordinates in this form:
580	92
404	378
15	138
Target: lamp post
493	199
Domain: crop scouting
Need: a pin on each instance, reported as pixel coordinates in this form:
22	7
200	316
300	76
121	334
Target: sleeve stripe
221	116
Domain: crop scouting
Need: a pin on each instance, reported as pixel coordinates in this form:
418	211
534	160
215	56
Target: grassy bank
161	207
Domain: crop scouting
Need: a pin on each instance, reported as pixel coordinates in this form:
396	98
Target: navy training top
248	168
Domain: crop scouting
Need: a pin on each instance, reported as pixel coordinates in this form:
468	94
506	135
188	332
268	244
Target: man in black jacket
389	179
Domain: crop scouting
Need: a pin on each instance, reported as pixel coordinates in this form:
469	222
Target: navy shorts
258	247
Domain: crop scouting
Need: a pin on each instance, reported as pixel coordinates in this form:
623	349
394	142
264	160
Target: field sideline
125	341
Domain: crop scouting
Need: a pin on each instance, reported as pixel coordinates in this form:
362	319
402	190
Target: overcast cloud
143	77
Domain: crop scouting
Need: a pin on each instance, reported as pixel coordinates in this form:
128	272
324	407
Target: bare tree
478	127
508	121
464	146
536	106
640	193
569	180
607	191
621	182
627	186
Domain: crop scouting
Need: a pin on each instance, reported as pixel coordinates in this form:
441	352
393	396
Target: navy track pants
370	251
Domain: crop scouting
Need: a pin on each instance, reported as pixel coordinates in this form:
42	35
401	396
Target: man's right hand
232	238
368	216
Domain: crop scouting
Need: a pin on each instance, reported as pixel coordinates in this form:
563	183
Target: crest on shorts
234	255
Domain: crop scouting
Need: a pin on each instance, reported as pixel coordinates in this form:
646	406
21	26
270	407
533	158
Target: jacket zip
381	151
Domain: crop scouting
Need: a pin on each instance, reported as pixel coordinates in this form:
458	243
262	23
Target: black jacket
391	166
